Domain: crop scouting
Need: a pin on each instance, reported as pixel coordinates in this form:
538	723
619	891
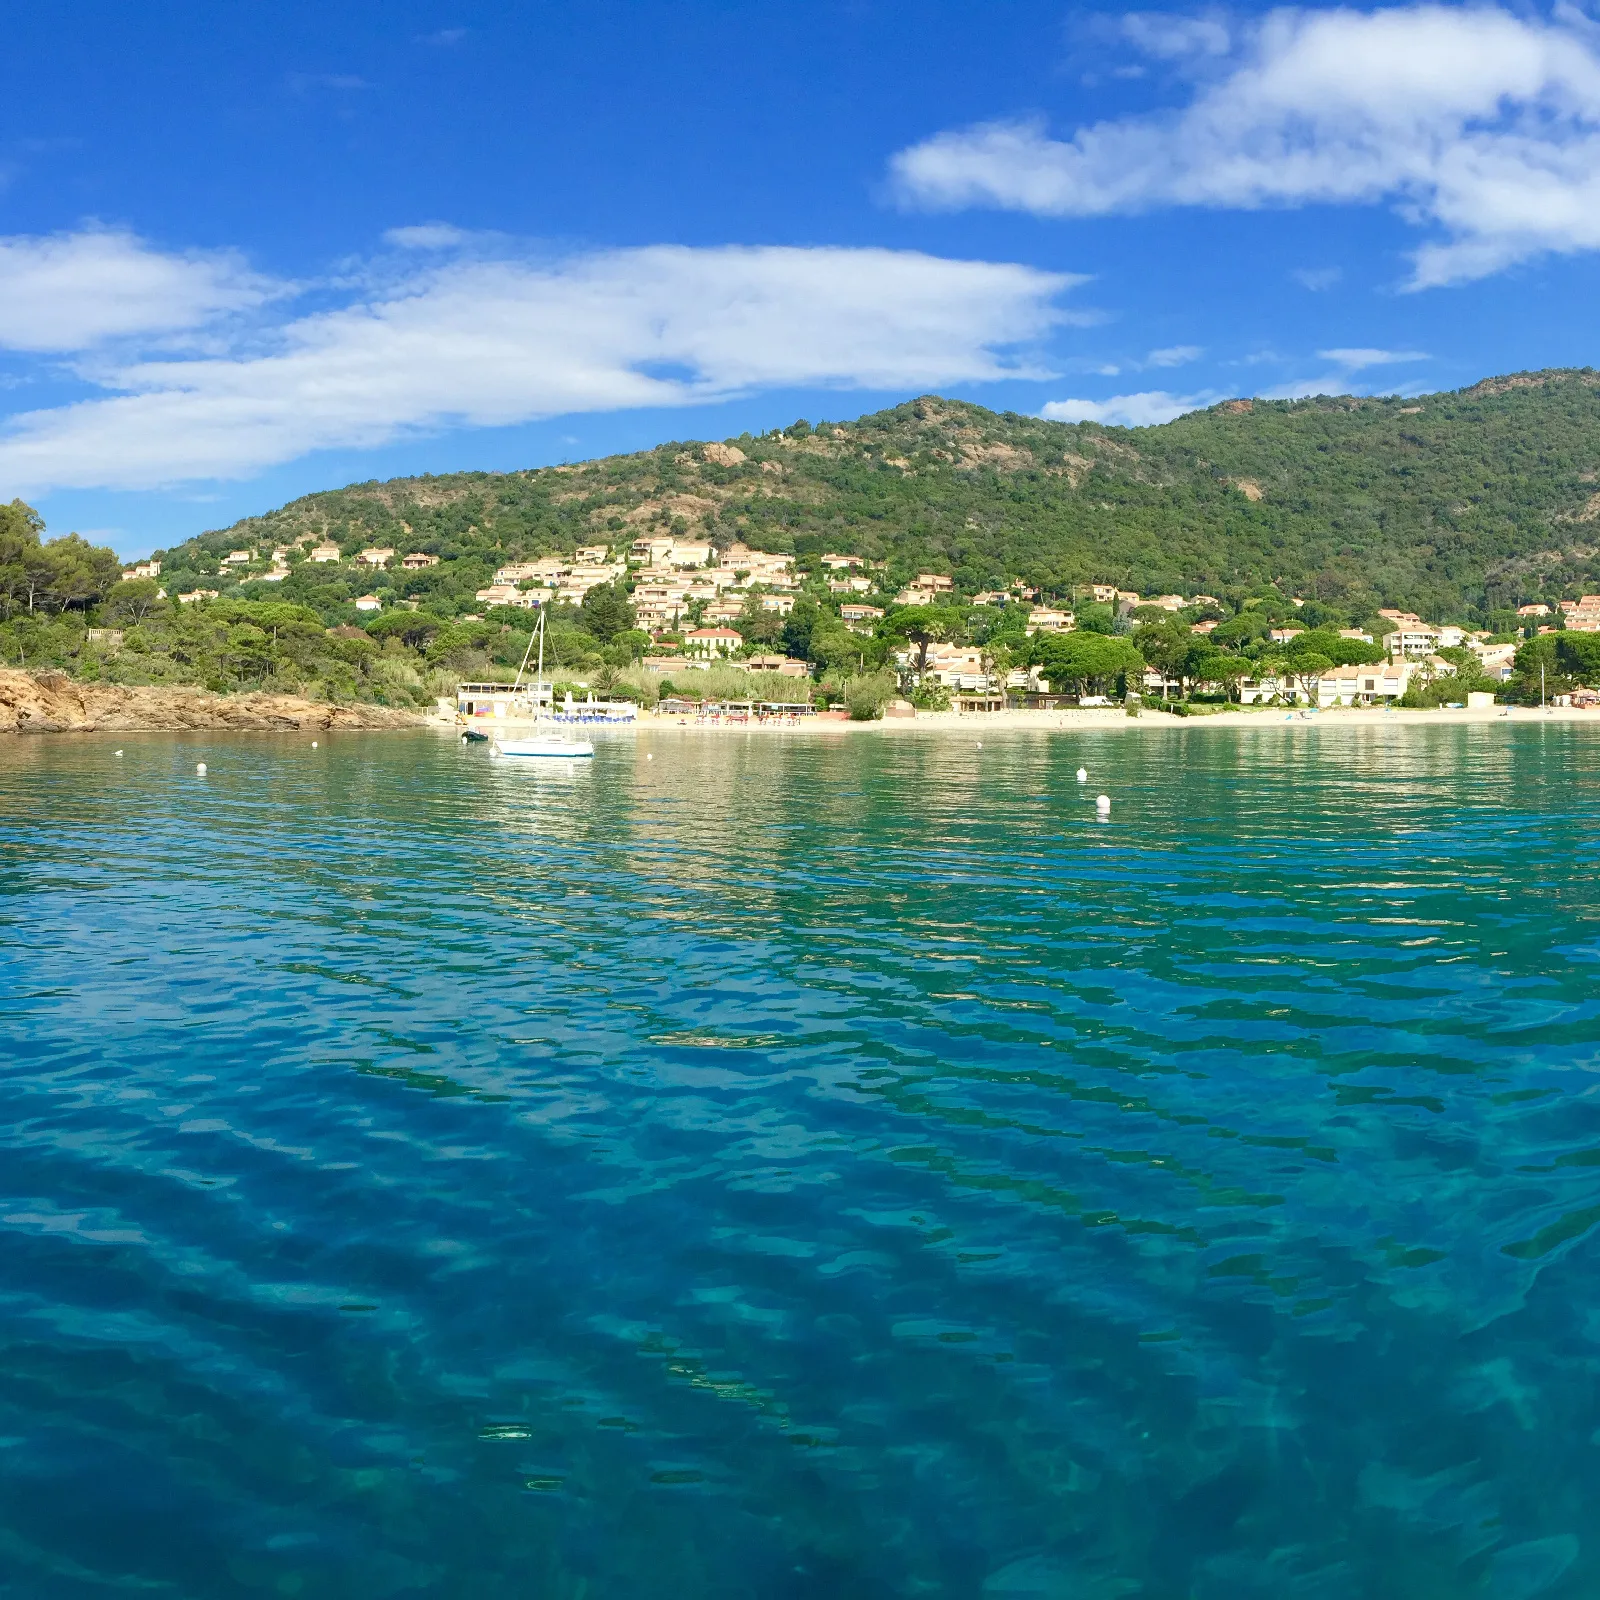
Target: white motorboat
554	746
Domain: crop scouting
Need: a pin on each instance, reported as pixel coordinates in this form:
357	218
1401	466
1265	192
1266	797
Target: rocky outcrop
51	702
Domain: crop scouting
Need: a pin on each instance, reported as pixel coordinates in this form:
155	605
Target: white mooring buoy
648	756
1083	774
313	744
1102	804
200	769
119	752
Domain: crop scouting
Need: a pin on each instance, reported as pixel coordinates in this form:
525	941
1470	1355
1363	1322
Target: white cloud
1173	38
1481	124
1356	360
1126	410
426	236
490	342
1317	279
1175	355
72	291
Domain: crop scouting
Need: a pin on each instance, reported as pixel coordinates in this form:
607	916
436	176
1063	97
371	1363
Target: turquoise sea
802	1167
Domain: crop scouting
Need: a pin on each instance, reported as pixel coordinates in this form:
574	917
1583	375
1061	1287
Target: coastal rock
51	702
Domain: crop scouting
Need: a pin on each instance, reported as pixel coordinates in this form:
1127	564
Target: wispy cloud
427	236
73	291
1127	410
1317	279
1356	360
1478	123
1174	355
483	341
341	82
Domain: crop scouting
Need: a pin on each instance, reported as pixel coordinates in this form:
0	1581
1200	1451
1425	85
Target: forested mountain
1453	505
1459	506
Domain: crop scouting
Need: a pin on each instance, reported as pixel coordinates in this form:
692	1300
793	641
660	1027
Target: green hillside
1451	504
1459	506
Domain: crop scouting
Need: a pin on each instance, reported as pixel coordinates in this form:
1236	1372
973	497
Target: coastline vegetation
1313	513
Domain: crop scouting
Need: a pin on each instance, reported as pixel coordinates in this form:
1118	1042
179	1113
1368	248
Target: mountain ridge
1462	502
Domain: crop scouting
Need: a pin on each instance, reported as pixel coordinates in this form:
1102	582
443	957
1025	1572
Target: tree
607	612
924	626
1307	668
1072	660
77	573
130	603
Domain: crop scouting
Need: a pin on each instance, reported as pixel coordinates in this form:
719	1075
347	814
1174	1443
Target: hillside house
369	602
711	644
417	560
787	666
325	552
1042	619
378	556
861	618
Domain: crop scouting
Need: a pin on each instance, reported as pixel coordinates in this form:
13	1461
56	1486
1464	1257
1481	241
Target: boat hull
546	749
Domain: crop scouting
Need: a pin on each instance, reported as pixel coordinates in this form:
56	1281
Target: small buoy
1083	774
119	752
980	744
1102	803
200	769
313	744
649	757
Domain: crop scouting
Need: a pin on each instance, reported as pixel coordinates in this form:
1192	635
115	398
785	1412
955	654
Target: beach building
711	644
787	666
1415	639
1497	660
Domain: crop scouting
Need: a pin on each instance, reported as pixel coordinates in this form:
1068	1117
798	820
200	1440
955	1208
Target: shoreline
1082	719
51	702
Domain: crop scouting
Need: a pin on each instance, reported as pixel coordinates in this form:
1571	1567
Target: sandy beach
975	723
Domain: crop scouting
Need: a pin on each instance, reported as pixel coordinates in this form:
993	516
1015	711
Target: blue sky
251	251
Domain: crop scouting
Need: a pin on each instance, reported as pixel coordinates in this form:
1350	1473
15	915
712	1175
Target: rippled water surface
802	1167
